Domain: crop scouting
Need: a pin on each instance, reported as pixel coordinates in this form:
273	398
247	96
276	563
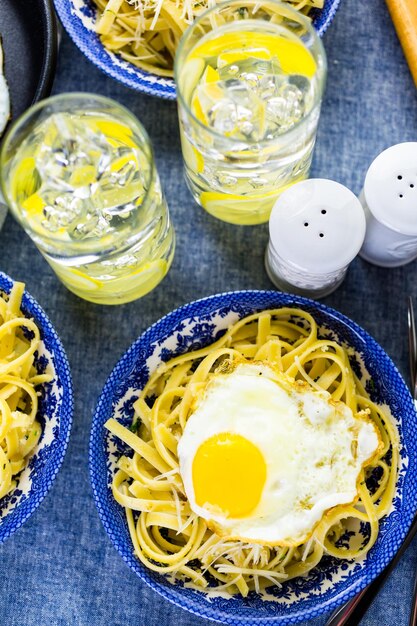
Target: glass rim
302	19
88	246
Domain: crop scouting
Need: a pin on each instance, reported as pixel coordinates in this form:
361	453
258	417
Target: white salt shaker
316	229
389	198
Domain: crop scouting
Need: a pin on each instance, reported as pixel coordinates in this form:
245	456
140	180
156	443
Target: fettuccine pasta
19	429
168	537
147	32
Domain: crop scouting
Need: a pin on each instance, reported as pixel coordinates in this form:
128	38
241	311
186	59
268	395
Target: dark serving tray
28	31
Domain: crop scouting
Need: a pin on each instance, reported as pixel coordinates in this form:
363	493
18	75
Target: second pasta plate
31	483
333	580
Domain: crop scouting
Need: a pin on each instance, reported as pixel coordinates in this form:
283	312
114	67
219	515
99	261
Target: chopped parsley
134	427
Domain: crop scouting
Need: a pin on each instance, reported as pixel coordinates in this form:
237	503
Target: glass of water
78	173
250	76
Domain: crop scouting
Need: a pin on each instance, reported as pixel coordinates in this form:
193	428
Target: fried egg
263	457
4	96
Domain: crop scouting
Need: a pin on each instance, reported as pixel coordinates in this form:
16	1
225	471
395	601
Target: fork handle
351	613
404	16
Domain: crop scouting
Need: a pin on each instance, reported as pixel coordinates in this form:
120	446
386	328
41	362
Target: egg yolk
229	473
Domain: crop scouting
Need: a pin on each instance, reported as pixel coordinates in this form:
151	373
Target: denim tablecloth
60	569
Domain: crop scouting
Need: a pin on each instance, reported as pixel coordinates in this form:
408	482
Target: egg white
4	96
314	449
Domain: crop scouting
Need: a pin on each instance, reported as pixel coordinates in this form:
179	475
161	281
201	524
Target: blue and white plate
54	415
79	16
199	324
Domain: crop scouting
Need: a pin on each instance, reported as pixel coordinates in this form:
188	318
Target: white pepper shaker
316	229
389	199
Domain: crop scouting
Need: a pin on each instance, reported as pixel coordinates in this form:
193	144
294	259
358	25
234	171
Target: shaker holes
321	235
305	223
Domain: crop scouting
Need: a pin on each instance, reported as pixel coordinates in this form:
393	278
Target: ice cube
232	108
267	86
250	70
53	166
257	182
61	209
86	227
286	104
68	152
89	184
229	71
226	180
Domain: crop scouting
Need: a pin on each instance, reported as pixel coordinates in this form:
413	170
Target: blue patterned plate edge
56	404
132	372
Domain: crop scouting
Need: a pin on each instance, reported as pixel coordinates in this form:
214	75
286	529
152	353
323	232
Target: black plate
29	36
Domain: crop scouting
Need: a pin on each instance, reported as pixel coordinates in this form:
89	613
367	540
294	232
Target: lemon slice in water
210	77
239	209
113	290
34	205
293	56
242	209
77	280
236	56
141	280
192	156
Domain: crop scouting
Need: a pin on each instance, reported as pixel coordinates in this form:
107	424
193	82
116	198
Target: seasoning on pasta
252	456
147	32
19	429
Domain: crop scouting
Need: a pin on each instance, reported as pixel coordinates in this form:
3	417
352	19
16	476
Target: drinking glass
78	173
250	76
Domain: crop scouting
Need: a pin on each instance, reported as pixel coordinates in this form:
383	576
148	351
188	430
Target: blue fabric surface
60	568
